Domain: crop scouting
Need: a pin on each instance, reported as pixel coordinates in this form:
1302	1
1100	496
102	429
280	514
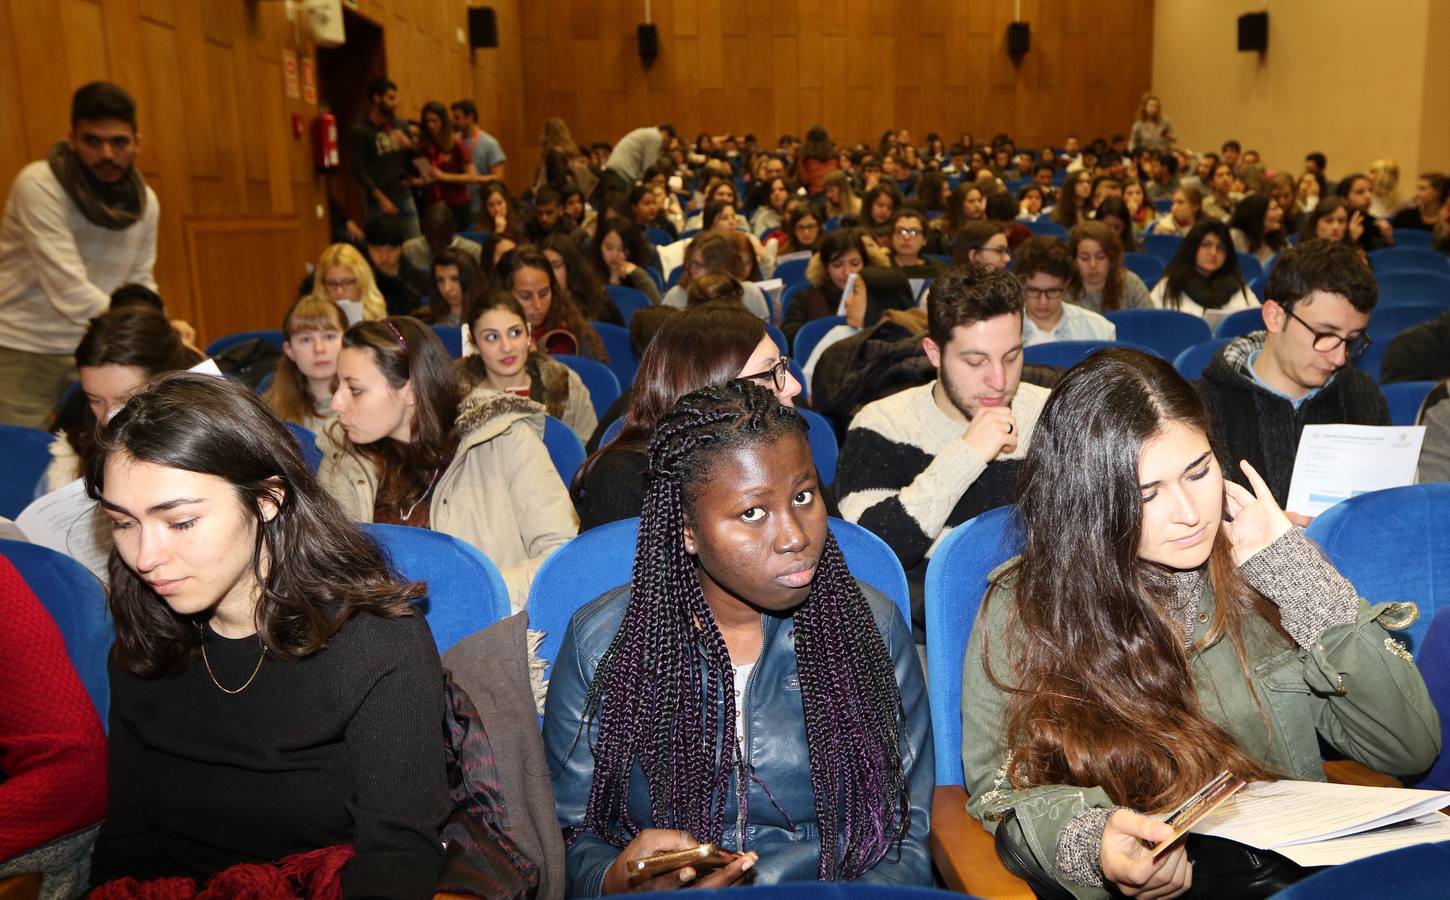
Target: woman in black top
272	691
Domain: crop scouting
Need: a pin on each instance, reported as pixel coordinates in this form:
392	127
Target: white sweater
57	269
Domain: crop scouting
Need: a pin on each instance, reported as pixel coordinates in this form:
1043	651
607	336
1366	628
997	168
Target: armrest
1349	771
20	887
965	854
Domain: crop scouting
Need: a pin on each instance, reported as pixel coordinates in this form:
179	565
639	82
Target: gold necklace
201	629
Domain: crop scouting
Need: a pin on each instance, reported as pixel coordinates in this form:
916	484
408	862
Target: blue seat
1163	204
1412	237
26	452
307	443
452	338
656	277
1249	266
1259	285
1047	228
831	224
658	236
789	294
1399	259
566	451
792	271
1407	286
1238	324
629	300
1385	323
824	449
275	338
674	277
622	361
466	593
1191	362
956	580
1404	399
779	337
799	375
603	558
1145	265
1419	872
77	603
1433	661
602	384
1393	545
811	333
478	237
1066	354
1163	246
612	431
1167	331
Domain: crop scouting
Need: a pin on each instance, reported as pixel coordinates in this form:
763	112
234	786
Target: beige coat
501	493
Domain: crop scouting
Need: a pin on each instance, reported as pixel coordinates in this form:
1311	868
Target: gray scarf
115	206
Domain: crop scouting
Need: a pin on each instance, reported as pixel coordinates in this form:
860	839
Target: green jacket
1355	686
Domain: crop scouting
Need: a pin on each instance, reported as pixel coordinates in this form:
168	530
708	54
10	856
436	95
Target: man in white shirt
77	225
1044	265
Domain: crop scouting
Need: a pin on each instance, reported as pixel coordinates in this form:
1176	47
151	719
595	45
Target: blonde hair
1384	177
347	257
849	205
289	395
557	137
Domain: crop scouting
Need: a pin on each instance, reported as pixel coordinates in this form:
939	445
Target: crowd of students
277	701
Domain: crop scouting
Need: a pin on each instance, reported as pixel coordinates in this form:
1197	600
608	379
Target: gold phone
702	857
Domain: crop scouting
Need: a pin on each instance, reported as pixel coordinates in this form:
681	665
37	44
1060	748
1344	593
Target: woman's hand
1130	865
1386	229
1257	519
1356	226
652	841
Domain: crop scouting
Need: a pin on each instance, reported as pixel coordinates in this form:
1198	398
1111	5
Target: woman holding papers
1162	624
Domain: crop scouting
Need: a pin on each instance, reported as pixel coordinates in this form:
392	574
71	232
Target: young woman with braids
1187	629
743	689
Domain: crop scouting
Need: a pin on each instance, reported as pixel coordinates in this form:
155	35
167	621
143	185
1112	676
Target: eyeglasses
777	374
1033	293
342	285
1328	341
1002	252
908	232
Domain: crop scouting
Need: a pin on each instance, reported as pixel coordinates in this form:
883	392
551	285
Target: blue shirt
1253	358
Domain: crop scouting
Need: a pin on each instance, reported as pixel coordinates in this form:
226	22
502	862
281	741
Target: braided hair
663	692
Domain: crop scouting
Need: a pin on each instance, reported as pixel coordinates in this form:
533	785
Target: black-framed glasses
776	373
1328	341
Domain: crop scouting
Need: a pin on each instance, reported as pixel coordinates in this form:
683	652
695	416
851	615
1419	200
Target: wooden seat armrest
965	854
1348	771
20	887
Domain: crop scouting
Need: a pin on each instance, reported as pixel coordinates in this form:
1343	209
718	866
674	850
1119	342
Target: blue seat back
792	271
1168	331
1163	246
1404	398
628	300
1411	237
307	443
824	449
1407	286
658	236
1418	872
1238	324
1046	228
1066	354
1385	324
1393	545
1398	259
452	338
26	452
622	361
273	337
1249	266
1163	204
799	375
77	603
956	580
1145	265
811	333
466	593
612	431
779	337
1433	661
602	384
566	451
1191	362
788	296
478	237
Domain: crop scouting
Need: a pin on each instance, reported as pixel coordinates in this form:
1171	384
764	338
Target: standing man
487	155
634	155
78	224
381	158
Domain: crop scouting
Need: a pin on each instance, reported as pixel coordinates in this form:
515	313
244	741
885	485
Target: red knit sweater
52	748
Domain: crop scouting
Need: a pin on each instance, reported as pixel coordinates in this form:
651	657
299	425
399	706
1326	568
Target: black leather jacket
775	744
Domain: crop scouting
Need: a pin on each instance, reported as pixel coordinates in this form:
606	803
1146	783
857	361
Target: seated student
876	290
52	749
841	199
793	693
1261	389
272	690
1186	211
577	278
644	203
920	462
547	218
877	208
500	212
1073	199
439	234
1100	282
118	354
1044	265
1368	231
1113	675
1029	203
1329	221
756	258
306	376
842	253
407	449
802	230
506	363
908	240
1420	353
619	257
933	193
770	215
402	284
456	281
1257	227
343	276
555	324
981	243
716	287
1002	211
1204	275
712	252
1424	213
703	346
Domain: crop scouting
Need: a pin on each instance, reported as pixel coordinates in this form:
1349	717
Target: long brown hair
289	394
1102	692
563	311
406	350
1105	238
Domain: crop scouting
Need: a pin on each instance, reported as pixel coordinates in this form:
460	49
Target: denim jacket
775	746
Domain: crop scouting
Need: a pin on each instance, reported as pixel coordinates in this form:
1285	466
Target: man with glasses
1263	388
1044	265
77	225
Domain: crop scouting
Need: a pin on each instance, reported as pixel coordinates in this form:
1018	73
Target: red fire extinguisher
324	142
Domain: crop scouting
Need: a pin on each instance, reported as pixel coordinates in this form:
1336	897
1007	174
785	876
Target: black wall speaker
482	27
1019	38
649	45
1254	32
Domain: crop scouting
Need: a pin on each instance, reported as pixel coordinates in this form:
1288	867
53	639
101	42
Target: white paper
1272	815
1424	829
207	367
774	289
352	309
846	292
69	522
1336	462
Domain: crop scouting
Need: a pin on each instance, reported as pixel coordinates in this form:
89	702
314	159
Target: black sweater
345	746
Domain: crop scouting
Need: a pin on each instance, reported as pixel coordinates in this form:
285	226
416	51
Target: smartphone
702	857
